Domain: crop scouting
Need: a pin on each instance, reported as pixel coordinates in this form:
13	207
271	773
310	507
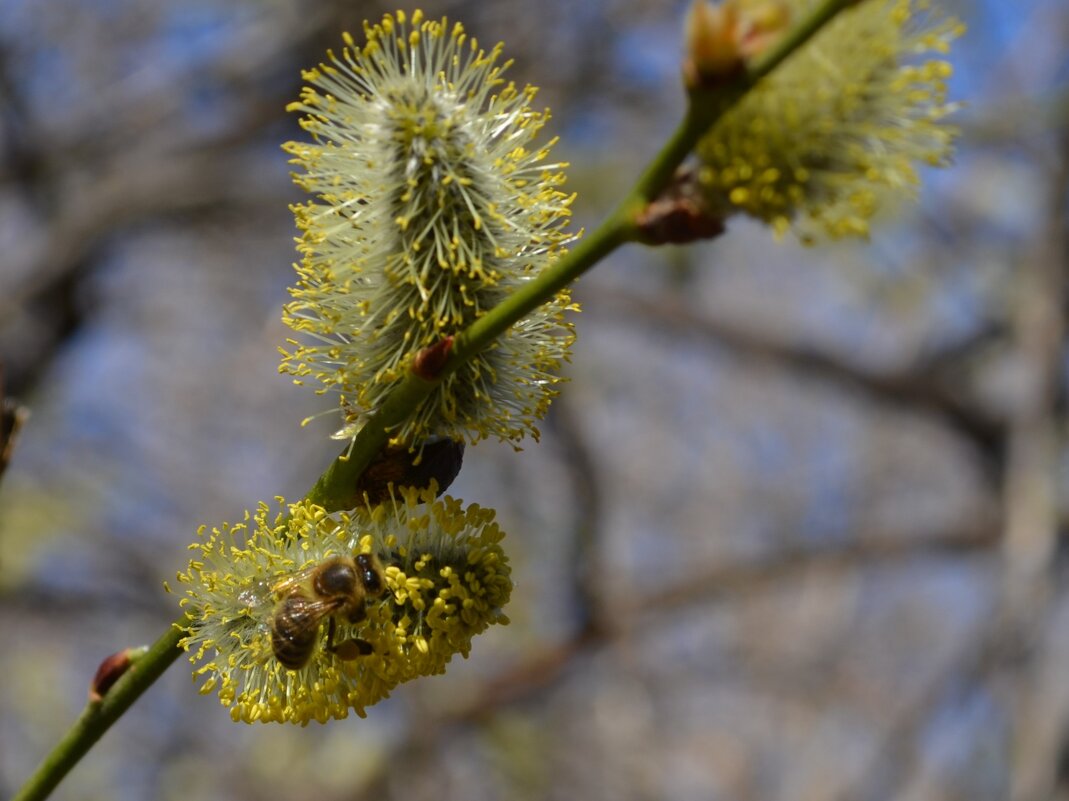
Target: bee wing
291	581
312	610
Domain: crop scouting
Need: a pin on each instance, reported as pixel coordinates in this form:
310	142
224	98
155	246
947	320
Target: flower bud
710	39
720	39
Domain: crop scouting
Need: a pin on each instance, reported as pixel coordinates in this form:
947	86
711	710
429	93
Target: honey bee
336	587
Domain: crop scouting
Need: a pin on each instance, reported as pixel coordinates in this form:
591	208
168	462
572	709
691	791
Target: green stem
334	489
98	716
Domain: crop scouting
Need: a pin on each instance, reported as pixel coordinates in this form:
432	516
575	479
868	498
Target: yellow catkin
431	205
435	555
841	124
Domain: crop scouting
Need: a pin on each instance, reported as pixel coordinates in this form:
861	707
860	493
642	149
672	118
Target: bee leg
352	649
330	635
347	650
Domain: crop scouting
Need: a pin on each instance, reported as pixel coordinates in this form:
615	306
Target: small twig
99	715
12	418
585	531
919	386
717	583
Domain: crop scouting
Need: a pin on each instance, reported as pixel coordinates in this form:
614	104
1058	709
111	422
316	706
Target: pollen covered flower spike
840	125
432	203
307	616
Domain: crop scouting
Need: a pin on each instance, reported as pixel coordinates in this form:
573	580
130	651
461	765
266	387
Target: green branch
98	716
705	106
335	488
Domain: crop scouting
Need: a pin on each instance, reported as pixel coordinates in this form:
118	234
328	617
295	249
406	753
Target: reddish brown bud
110	670
429	362
680	215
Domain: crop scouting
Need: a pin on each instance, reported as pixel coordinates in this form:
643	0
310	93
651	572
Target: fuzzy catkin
433	203
445	578
841	126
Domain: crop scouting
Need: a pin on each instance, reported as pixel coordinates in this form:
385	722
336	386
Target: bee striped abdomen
294	631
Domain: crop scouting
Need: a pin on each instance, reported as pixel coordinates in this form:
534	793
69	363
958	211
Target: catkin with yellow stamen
446	580
840	125
433	202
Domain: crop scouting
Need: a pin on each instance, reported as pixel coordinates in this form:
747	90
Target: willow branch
705	106
334	489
